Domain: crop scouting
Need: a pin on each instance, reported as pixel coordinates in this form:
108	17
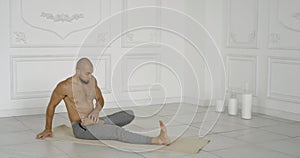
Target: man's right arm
56	97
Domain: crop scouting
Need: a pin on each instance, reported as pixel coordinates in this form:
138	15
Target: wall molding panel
36	76
242	23
47	24
282	69
242	70
284	27
135	37
101	65
138	61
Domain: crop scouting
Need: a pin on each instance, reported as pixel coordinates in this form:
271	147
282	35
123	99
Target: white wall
258	40
195	68
38	50
260	43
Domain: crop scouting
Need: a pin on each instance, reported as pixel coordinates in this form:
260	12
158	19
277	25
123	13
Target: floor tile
254	135
37	123
10	124
297	139
161	110
14	154
230	136
250	151
289	146
254	122
220	127
201	154
284	129
35	149
191	118
20	137
159	154
191	132
218	142
296	123
280	120
106	152
70	147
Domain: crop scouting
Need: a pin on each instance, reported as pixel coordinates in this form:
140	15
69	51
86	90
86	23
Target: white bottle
232	104
247	104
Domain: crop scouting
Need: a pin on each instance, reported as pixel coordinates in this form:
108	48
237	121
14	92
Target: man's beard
85	82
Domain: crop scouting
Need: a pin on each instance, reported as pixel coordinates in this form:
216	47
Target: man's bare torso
79	98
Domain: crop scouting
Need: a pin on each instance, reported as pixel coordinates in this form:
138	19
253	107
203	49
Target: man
78	93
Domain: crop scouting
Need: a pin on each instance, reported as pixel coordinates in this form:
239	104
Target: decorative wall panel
57	23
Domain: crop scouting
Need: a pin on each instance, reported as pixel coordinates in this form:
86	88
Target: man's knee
130	114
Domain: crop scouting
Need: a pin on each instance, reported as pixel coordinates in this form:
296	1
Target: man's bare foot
163	138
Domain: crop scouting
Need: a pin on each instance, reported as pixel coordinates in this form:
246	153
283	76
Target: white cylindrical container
246	106
220	105
232	106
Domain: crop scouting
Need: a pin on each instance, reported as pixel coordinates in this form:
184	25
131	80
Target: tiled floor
231	137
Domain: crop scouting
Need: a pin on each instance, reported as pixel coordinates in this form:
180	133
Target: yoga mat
189	145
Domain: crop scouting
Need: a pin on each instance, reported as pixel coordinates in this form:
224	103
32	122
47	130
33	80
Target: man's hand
94	116
87	121
44	134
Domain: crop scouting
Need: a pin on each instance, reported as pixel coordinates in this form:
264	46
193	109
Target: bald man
78	93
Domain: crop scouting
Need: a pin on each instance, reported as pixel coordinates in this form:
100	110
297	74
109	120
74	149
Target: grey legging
111	129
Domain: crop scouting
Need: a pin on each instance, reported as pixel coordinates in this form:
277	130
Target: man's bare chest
83	93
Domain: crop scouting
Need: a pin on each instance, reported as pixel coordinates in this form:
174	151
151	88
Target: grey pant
111	129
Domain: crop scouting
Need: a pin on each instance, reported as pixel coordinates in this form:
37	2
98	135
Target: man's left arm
99	99
94	115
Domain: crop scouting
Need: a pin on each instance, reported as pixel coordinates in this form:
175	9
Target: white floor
231	137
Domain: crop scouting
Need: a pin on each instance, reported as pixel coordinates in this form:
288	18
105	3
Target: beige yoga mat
184	145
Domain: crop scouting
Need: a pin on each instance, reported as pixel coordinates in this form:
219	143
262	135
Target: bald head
84	70
83	62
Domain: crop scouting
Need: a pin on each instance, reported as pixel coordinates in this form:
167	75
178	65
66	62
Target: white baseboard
62	108
255	108
28	111
142	102
192	100
277	113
